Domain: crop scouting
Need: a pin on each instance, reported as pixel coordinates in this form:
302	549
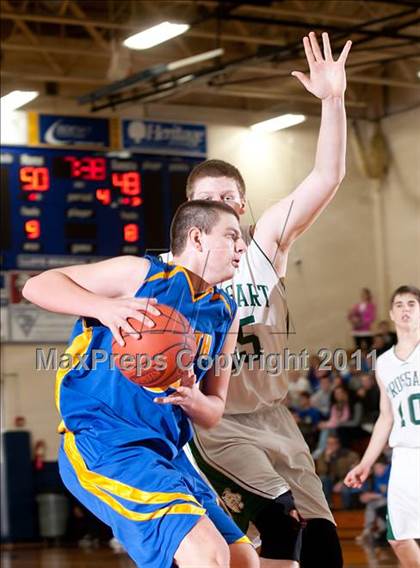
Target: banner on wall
30	324
153	137
56	130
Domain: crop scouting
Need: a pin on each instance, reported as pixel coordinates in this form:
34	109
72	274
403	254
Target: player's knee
321	545
243	556
281	534
203	546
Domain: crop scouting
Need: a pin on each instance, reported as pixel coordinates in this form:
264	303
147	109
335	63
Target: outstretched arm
282	223
102	290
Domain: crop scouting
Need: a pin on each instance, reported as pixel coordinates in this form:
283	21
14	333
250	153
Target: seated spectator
309	417
390	337
340	413
379	344
351	429
375	500
368	394
321	399
315	373
332	465
297	384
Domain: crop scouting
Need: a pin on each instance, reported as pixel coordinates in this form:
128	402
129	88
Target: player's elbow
30	288
211	421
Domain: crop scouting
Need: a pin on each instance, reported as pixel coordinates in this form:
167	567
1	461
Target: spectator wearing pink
340	413
361	317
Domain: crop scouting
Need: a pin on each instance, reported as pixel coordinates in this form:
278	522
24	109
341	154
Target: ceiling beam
192	32
267	94
43	77
92	31
359	29
33	39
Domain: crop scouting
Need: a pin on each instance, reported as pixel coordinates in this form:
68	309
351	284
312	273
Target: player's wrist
333	99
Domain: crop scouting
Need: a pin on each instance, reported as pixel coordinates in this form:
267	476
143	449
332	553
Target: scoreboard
65	206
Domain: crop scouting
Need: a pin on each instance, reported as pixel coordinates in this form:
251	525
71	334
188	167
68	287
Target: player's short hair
406	289
199	213
215	168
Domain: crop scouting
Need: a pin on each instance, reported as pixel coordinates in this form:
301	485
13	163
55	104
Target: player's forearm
207	411
330	159
56	292
378	440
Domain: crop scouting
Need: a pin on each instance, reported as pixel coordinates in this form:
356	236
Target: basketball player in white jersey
256	456
398	376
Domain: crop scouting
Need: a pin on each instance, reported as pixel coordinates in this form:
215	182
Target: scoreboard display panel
75	205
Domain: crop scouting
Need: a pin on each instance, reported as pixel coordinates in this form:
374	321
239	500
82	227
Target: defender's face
405	312
223	248
222	189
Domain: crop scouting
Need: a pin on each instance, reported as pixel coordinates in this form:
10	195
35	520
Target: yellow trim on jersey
102	486
78	346
174	272
221	297
243	540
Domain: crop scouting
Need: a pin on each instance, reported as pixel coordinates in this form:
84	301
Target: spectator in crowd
379	344
368	394
375	501
390	337
332	465
297	384
308	419
361	317
316	372
340	413
321	399
351	429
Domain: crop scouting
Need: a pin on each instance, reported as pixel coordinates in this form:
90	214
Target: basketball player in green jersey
398	376
256	456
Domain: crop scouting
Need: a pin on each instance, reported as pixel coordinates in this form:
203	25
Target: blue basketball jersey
94	397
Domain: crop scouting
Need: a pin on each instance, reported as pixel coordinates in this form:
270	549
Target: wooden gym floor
35	556
354	557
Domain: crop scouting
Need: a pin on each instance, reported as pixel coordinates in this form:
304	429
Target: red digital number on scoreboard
131	233
32	229
34	178
127	182
87	168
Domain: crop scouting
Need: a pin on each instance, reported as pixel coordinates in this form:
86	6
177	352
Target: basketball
151	360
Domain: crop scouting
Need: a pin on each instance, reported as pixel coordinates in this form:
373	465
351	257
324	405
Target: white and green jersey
258	378
402	383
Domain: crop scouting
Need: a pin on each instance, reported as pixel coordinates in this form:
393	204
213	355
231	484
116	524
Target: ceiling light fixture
155	35
278	123
16	99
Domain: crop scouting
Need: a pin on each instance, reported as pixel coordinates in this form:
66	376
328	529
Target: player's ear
391	316
195	238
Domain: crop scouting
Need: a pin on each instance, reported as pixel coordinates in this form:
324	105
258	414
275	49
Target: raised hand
327	78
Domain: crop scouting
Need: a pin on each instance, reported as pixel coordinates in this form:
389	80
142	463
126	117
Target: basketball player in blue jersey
398	377
122	452
256	456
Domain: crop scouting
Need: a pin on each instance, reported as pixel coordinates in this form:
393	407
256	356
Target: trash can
53	512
